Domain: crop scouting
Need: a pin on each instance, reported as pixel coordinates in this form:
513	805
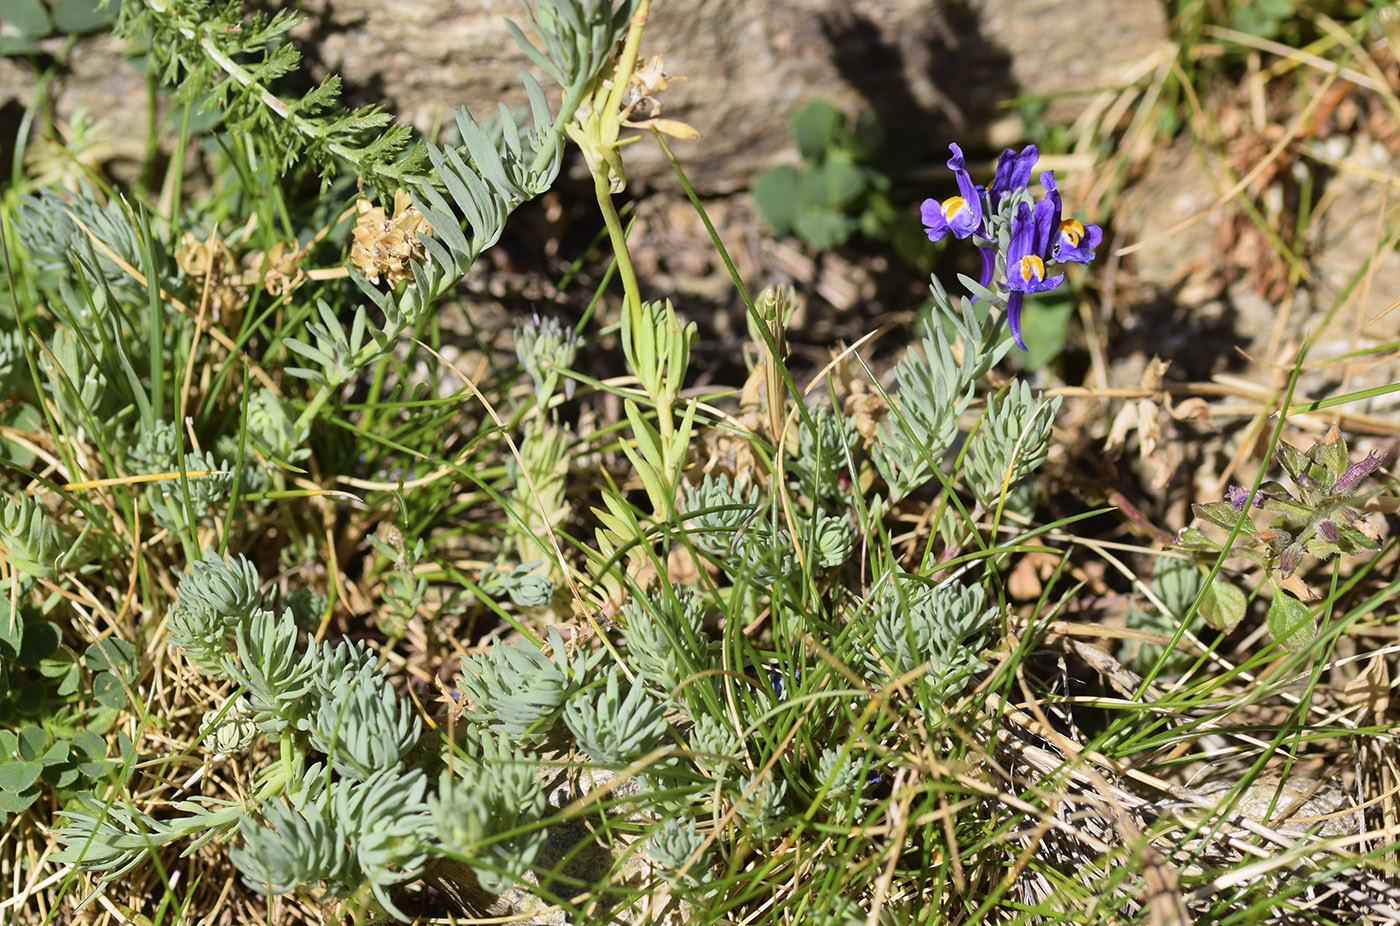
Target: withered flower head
643	87
385	245
201	258
279	267
209	264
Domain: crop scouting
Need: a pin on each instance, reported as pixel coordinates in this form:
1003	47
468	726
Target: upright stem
632	299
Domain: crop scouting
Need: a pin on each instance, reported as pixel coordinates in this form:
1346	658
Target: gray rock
940	69
1350	269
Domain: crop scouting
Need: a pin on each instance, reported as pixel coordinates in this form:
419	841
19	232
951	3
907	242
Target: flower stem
632	299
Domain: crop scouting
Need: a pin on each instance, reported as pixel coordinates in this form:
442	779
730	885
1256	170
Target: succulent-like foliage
837	772
363	725
337	354
404	590
761	802
546	349
272	428
47	224
230	729
614	730
372	832
714	742
665	638
108	839
12	365
342	660
915	623
271	666
295	848
728	525
502	794
516	688
523	584
36	548
931	390
1011	442
825	444
179	504
215	596
674	843
79	385
498	167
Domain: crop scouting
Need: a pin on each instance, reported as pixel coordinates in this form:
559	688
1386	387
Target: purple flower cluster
1040	235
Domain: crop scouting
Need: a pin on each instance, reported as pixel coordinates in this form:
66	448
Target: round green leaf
111	654
41	640
1291	623
89	744
68	681
30	699
56	753
59	665
28	17
1223	606
778	194
823	229
815	126
95	768
17	45
16	776
108	691
842	180
32	743
17	801
61	776
75	16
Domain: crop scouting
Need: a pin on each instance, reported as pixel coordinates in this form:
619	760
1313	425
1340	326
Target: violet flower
1238	497
1074	242
1013	172
961	214
1025	260
1357	472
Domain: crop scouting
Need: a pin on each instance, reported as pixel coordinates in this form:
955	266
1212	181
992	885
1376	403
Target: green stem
282	110
312	409
627	61
632	294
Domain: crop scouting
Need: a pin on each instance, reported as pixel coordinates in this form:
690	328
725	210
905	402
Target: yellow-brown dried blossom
279	268
1151	416
386	246
208	264
641	96
201	258
214	270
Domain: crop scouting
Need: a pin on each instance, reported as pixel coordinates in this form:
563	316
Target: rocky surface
937	68
1213	310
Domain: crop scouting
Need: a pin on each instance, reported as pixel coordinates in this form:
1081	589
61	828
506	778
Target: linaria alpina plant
768	651
1018	239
